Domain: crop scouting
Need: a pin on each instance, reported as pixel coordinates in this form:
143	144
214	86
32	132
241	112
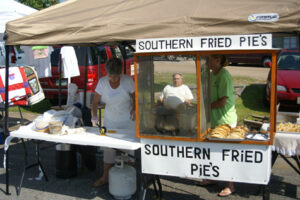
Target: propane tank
122	180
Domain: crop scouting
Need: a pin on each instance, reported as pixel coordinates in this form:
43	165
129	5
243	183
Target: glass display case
183	135
166	112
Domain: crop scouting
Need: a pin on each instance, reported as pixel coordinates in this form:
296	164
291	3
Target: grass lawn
40	107
251	101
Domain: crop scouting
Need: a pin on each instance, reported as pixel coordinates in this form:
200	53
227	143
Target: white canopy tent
86	22
10	10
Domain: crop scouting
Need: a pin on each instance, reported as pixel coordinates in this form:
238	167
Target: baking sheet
257	136
286	132
225	139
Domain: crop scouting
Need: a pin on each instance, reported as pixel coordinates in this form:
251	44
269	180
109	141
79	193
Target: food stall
181	143
184	149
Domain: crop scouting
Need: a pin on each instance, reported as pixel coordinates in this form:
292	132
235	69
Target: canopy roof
93	21
10	10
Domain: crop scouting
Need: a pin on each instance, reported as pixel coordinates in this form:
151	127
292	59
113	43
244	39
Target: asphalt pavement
284	182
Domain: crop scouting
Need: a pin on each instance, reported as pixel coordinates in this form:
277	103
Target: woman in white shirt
116	90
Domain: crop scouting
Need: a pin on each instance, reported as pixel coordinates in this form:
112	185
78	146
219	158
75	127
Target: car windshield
289	61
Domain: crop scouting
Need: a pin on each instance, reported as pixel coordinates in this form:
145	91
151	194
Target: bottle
122	180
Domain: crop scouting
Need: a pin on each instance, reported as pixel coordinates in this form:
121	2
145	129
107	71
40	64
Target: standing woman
116	90
222	101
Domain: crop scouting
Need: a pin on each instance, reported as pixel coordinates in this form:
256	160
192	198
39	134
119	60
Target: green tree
39	4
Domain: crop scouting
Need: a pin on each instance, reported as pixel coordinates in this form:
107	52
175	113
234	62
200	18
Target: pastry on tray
225	131
288	127
220	131
238	132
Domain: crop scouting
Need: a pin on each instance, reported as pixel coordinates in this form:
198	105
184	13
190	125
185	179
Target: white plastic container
122	180
74	111
55	127
265	127
41	125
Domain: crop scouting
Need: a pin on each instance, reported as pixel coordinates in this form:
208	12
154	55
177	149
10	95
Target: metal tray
285	132
225	139
257	136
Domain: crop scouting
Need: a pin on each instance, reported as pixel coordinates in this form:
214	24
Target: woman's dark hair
114	66
224	61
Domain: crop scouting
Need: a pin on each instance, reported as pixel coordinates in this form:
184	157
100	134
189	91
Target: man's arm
161	97
189	101
160	100
189	95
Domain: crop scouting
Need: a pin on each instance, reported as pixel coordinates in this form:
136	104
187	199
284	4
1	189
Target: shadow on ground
253	97
79	186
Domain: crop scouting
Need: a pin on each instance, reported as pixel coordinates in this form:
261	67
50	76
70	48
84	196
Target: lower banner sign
216	161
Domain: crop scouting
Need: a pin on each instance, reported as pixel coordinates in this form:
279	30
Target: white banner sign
216	161
231	42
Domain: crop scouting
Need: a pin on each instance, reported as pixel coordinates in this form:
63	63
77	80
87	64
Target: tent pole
85	77
298	34
99	76
99	67
59	81
6	132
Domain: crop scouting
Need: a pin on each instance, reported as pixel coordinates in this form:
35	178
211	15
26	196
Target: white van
16	57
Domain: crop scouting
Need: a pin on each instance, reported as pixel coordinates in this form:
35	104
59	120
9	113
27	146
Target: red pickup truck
252	59
103	53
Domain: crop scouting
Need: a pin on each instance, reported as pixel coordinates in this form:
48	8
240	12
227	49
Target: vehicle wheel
265	60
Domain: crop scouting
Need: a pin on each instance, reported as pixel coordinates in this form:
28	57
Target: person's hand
132	114
95	121
182	106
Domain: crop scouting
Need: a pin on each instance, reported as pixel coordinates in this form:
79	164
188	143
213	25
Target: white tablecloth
122	139
287	143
